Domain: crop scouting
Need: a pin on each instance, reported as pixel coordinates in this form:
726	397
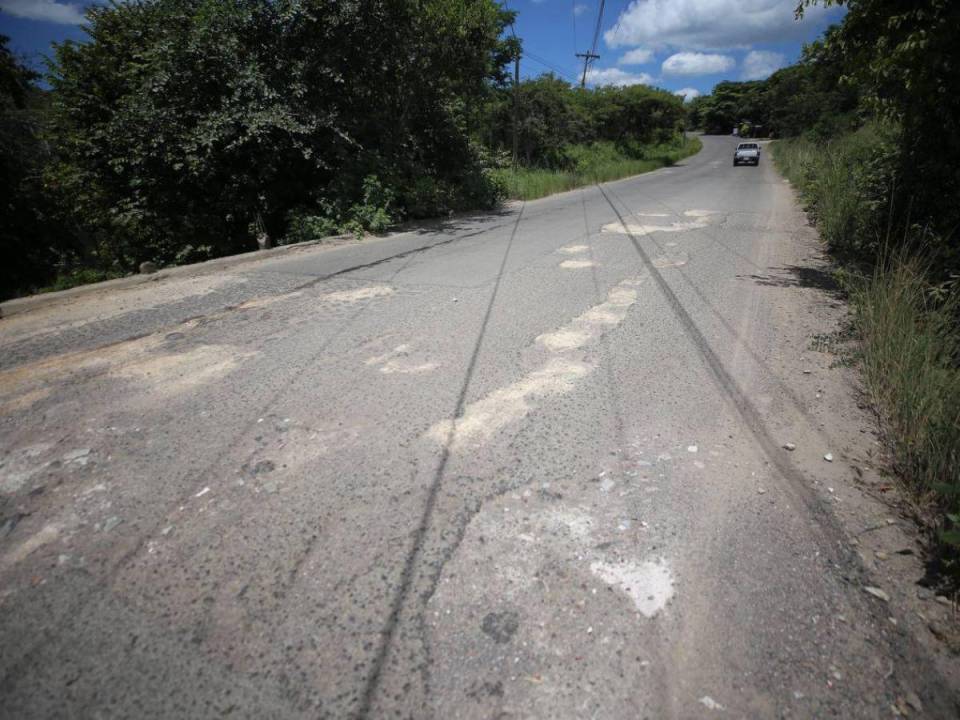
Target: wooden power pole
589	57
516	108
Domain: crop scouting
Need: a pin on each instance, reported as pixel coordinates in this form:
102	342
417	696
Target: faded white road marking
47	535
395	362
634	229
177	373
573	249
670	262
379	359
594	322
365	293
403	368
699	213
483	418
648	584
577	264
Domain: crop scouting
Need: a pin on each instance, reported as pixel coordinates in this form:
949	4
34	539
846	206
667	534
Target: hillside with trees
183	130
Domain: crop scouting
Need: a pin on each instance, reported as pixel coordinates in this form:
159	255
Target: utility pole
516	108
587	57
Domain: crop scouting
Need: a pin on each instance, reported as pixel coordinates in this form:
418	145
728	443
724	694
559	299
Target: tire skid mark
412	561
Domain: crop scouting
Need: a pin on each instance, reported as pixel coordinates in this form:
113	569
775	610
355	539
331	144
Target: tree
186	127
905	60
32	240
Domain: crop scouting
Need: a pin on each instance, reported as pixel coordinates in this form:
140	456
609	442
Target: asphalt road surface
527	464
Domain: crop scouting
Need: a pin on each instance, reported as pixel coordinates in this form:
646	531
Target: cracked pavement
524	464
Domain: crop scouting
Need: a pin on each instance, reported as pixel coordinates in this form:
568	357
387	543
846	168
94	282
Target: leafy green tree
186	127
905	60
33	242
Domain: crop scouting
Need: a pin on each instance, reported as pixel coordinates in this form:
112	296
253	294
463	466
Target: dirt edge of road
869	503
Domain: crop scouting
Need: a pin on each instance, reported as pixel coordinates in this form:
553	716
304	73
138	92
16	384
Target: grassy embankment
600	162
907	326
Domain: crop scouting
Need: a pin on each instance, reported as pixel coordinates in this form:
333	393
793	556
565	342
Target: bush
303	227
849	186
595	163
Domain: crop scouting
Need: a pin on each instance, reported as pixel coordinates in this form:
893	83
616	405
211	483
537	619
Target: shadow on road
799	276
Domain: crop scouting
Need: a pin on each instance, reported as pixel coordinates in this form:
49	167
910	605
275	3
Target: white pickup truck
747	152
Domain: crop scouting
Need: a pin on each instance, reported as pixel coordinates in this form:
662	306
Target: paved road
526	464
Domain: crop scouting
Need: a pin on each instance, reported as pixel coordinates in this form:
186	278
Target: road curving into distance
524	464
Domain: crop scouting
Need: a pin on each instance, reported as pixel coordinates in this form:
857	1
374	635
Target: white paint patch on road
709	703
670	262
396	362
649	584
399	350
699	213
640	214
577	264
404	368
635	229
483	418
573	249
594	322
46	536
178	373
358	295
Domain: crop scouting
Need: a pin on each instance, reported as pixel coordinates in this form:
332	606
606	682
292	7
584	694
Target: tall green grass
910	344
600	162
846	184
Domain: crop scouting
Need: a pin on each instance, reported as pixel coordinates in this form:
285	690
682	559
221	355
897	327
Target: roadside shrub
373	211
303	226
597	162
849	186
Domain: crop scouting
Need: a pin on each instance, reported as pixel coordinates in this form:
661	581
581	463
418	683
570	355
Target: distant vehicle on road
747	153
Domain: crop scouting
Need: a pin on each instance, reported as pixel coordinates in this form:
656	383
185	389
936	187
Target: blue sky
683	45
675	44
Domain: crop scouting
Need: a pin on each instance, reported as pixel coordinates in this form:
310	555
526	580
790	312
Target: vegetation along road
569	459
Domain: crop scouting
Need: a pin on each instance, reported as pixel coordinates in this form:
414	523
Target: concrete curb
36	302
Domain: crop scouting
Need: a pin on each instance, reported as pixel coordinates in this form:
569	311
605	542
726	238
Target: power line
549	65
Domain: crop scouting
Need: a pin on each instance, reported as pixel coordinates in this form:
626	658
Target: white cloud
761	64
694	63
687	94
46	10
637	56
616	76
580	9
710	24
